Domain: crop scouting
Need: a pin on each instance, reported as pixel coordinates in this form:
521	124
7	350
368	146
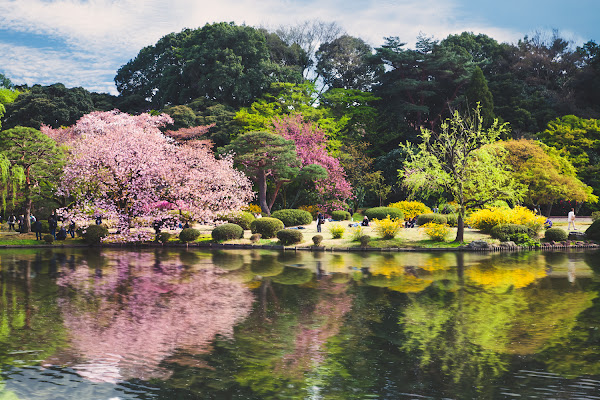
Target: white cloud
101	35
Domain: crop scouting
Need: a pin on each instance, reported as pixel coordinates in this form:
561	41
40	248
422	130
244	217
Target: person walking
571	219
71	230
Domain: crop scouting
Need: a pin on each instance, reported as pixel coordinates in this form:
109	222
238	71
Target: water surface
179	324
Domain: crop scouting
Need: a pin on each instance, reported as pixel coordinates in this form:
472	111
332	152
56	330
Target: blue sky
84	42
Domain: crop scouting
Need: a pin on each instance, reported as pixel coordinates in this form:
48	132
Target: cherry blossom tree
124	168
311	148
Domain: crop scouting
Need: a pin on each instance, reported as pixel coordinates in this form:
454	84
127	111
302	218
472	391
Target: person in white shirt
571	219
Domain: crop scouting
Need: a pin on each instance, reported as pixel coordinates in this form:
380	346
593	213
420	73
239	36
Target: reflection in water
265	325
126	317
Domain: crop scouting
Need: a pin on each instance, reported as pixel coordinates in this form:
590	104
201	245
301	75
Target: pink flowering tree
123	168
311	143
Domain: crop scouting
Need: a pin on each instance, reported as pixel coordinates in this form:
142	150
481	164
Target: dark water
260	325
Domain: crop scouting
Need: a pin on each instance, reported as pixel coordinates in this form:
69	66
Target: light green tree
457	161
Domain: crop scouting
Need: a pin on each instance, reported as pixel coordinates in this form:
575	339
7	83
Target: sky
84	42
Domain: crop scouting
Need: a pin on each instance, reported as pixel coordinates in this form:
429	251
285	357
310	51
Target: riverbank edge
224	246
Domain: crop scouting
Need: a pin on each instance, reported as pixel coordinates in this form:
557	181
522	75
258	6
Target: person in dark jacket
37	228
52	223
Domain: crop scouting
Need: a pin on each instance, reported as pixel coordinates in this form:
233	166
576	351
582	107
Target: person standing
571	219
11	222
52	224
37	228
320	219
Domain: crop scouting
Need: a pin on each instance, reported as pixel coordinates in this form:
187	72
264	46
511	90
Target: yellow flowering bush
313	210
337	230
252	208
485	219
411	209
388	228
437	232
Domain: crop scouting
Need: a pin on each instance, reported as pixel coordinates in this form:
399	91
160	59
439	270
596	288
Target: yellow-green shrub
437	232
337	230
313	210
252	209
411	209
388	228
485	219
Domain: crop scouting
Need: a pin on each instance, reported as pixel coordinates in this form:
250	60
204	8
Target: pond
187	324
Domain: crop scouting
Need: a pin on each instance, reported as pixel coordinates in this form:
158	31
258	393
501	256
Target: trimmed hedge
431	217
557	234
289	236
383	212
95	233
48	238
163	237
227	232
242	218
317	239
506	232
593	232
364	240
293	217
267	227
340	215
452	219
189	235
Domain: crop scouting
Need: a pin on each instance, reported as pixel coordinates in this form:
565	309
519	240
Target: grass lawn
28	239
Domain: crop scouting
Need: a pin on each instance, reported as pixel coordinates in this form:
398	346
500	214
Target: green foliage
593	231
512	232
293	217
431	217
53	105
364	240
383	212
337	230
189	235
241	218
452	219
317	239
293	276
595	216
267	227
289	236
227	232
411	209
560	235
447	208
340	215
163	237
95	233
357	232
48	239
479	93
255	237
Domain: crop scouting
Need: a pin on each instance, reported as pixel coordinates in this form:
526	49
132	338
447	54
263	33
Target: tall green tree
478	93
265	157
40	160
455	160
53	105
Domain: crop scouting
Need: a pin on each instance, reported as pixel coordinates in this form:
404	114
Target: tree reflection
127	316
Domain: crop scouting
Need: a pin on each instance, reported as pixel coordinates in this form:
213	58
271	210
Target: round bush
383	212
317	239
242	218
593	232
293	217
506	232
431	217
452	219
163	237
340	215
364	240
289	236
48	239
255	237
189	235
95	233
267	227
557	234
227	232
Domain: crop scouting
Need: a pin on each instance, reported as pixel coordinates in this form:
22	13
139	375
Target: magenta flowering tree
123	168
311	144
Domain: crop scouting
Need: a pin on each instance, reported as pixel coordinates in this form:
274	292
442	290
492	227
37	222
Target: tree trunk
460	232
261	179
549	210
28	203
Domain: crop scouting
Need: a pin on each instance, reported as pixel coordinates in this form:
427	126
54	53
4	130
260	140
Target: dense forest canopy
234	79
